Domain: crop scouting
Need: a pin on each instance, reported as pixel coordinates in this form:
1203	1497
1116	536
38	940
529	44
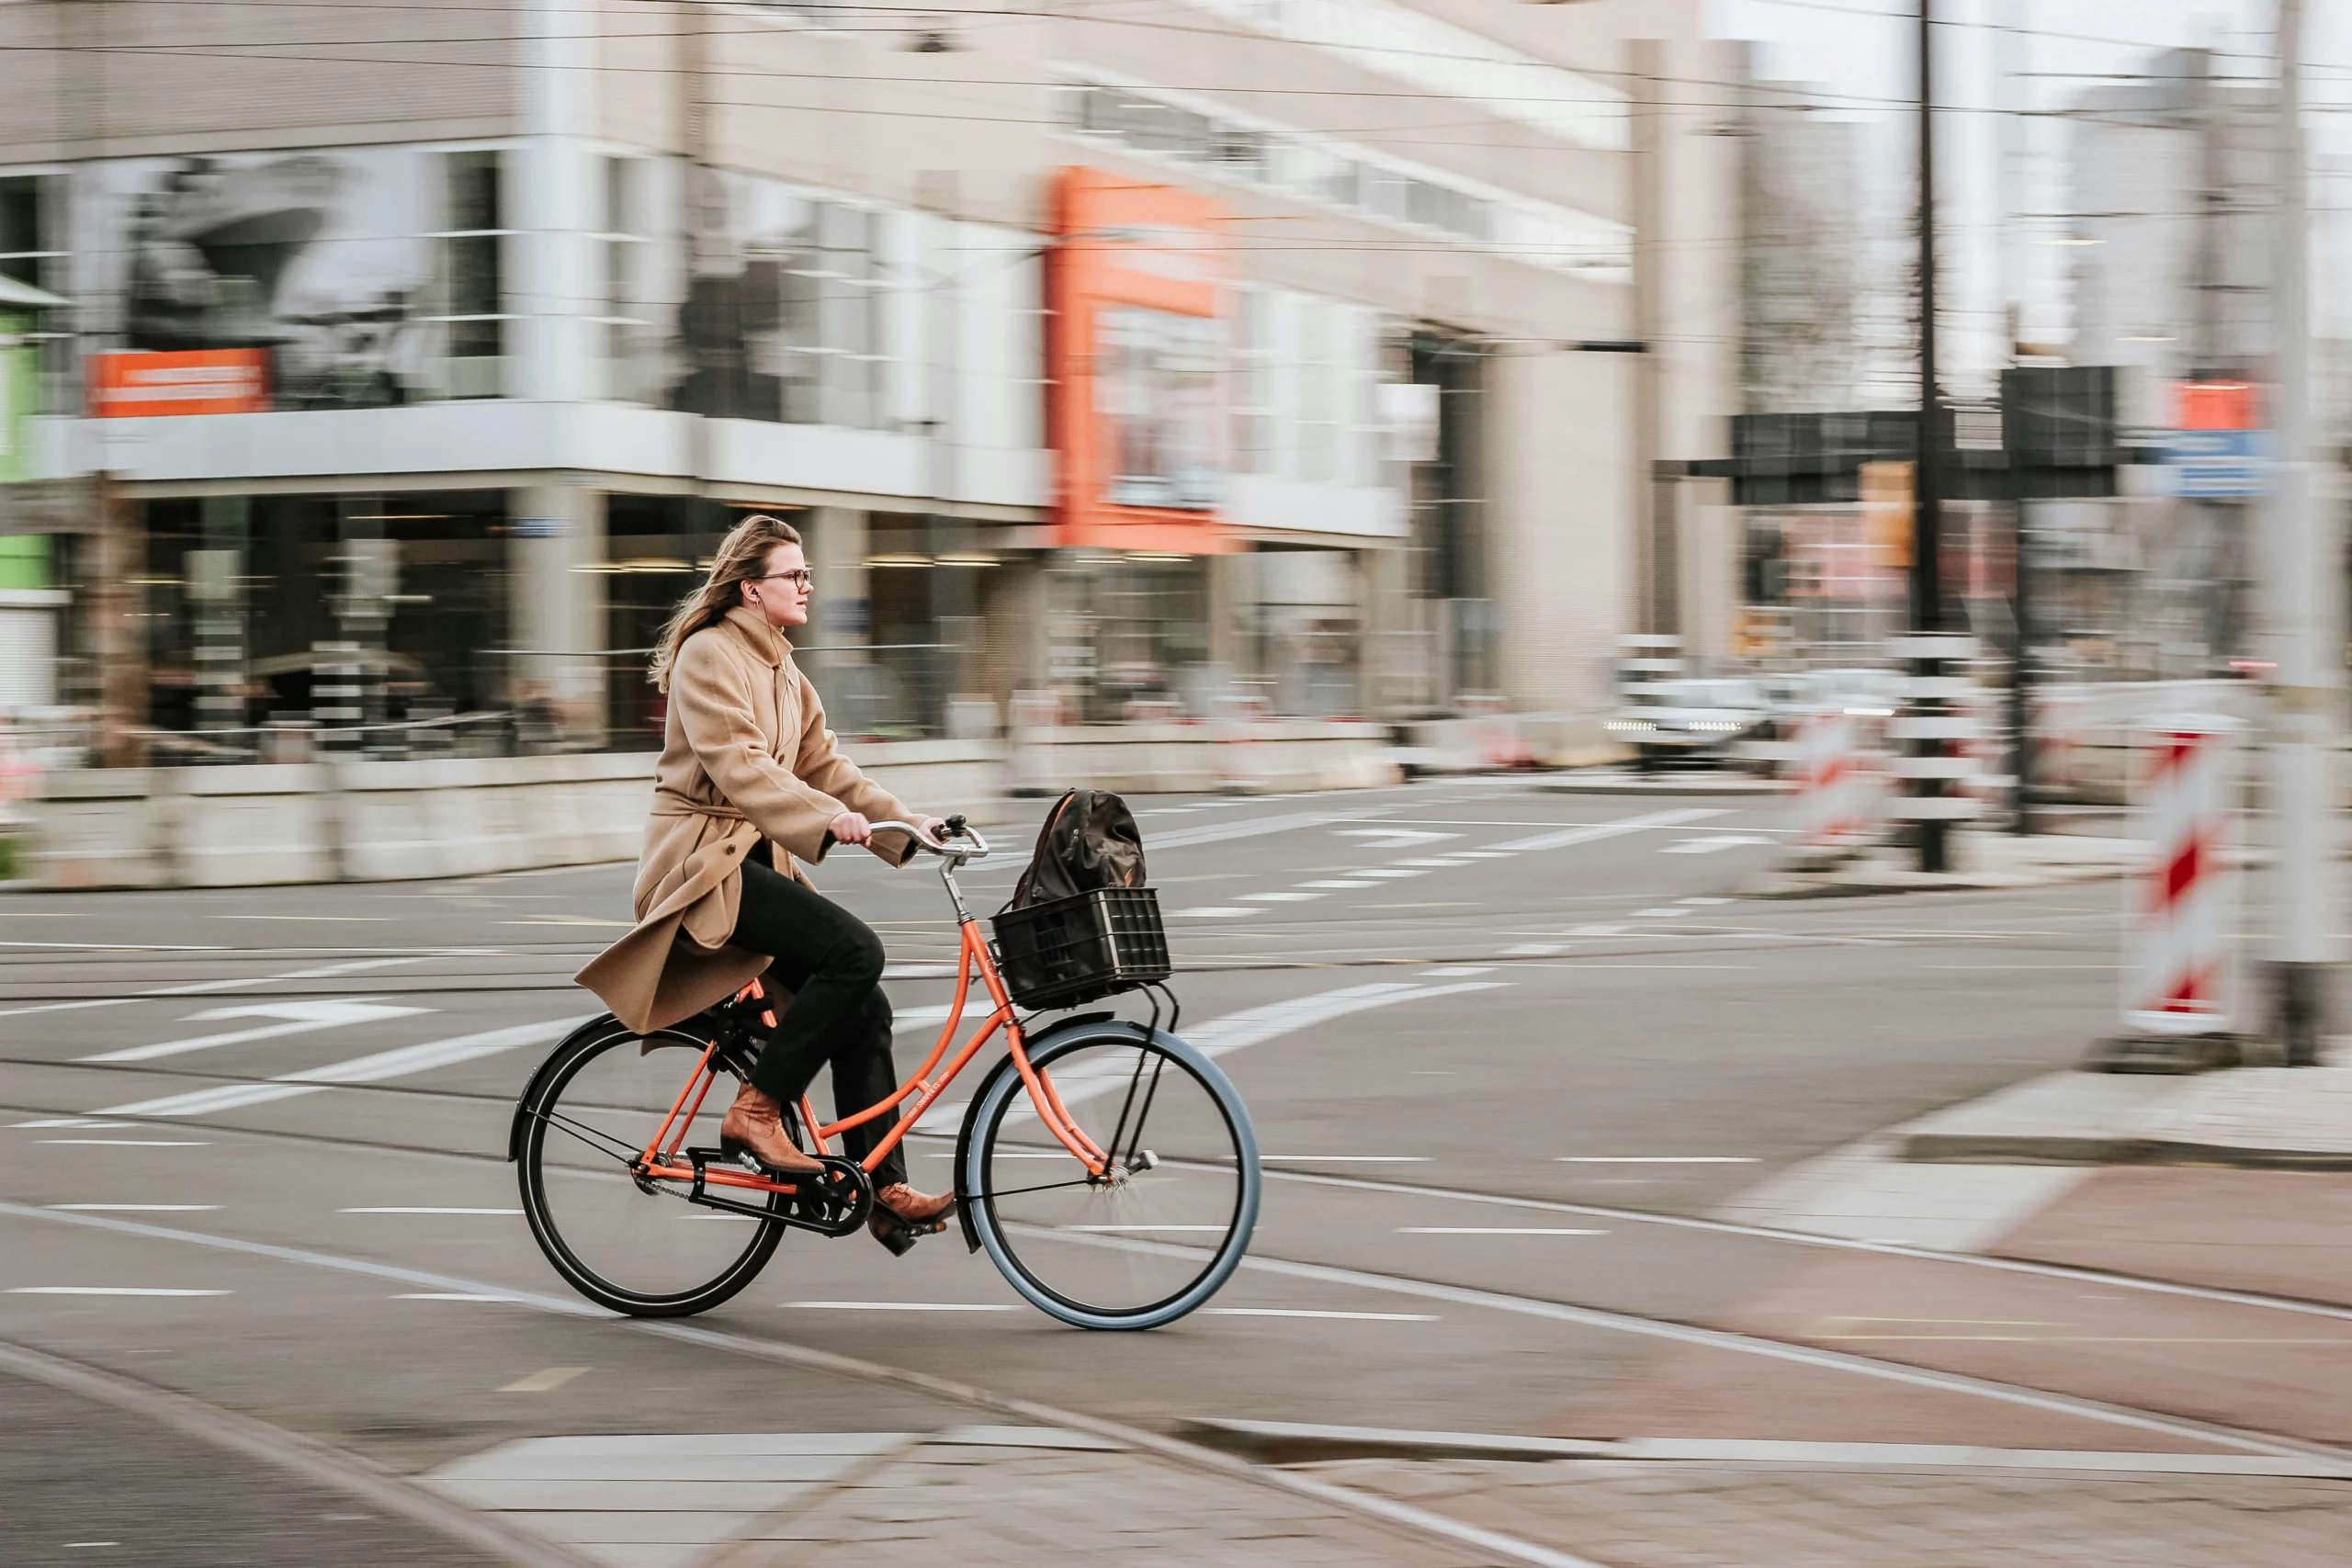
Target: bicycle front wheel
1158	1236
635	1246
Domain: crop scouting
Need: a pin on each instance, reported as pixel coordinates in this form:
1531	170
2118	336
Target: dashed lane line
404	1061
204	987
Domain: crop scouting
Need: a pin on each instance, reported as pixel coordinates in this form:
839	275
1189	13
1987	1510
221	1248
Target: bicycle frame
922	1089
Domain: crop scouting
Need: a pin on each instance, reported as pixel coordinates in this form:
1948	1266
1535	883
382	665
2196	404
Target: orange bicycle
1108	1168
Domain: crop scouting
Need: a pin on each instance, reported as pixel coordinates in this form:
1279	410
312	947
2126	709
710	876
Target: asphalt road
254	1149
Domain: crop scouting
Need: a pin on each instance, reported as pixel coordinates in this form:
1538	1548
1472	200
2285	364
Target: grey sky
1861	54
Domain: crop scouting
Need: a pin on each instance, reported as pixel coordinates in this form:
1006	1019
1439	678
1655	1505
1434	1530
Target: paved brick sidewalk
1017	1507
1687	1514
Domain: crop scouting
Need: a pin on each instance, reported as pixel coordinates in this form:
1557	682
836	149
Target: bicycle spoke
1200	1192
614	1238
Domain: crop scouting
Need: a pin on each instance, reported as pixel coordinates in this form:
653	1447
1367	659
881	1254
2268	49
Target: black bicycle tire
1002	1093
546	1090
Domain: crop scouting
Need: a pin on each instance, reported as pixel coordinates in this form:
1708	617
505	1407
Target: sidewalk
1980	860
2270	1118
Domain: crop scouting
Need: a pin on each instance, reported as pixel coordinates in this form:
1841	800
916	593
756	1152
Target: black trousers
832	963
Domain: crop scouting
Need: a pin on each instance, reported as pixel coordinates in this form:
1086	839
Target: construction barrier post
2181	915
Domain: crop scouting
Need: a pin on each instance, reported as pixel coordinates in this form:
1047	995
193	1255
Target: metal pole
2302	564
2022	757
1927	588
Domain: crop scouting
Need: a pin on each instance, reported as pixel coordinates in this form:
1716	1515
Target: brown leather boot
902	1216
754	1125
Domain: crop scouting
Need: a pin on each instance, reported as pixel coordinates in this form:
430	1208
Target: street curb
1993	1148
1299	1442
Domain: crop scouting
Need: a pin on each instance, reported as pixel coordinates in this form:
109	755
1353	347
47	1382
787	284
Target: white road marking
902	1306
307	919
1288	822
935	1012
1280	897
1709	846
383	1064
202	988
1488	854
1598	830
1216	912
1494	1230
1660	914
1214	1230
1236	1031
1390	873
138	1208
919	972
1655	1159
303	1018
1345	883
71	1121
543	1380
1392	837
109	1291
1456	971
1536	950
1707	902
407	1208
451	1296
132	1143
1596	930
1309	1312
1356	1160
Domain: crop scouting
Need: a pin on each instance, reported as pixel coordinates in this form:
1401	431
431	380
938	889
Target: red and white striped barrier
2180	918
1839	793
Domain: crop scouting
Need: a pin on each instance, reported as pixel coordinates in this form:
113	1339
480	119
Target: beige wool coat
745	755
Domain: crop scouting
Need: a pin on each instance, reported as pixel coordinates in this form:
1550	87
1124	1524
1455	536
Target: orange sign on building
203	380
1139	287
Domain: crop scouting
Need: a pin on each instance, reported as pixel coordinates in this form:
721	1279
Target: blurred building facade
1219	356
2173	188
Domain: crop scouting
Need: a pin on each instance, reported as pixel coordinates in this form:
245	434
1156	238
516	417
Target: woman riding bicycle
749	784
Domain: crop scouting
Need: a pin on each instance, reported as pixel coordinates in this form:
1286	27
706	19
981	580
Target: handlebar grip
954	827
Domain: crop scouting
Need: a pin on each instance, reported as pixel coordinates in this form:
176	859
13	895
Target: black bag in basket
1090	840
1081	924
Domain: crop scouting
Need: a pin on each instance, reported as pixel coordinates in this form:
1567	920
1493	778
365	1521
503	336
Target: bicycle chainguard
834	1207
835	1204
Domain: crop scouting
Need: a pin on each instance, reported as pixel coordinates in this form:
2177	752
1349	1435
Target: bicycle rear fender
1084	1020
523	1102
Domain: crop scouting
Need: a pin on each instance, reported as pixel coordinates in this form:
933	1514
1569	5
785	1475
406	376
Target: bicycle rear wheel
635	1246
1159	1237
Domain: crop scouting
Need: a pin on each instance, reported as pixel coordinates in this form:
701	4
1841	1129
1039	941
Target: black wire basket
1068	951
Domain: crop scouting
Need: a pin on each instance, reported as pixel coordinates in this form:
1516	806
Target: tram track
1435	1527
1584	1312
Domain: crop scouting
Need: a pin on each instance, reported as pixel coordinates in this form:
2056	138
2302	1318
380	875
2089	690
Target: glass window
31	250
631	342
1256	420
1157	385
472	312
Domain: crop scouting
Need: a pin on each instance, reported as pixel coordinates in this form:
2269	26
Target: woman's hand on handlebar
849	828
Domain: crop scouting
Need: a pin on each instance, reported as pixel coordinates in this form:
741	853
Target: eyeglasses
799	577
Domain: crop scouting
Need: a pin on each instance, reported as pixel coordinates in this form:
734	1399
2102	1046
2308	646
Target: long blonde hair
743	556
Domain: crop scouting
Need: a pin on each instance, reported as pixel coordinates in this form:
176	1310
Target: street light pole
2301	568
1928	726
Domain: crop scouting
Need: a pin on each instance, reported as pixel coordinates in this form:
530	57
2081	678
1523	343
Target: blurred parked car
1702	722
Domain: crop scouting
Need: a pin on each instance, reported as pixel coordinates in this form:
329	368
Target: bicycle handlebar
977	847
